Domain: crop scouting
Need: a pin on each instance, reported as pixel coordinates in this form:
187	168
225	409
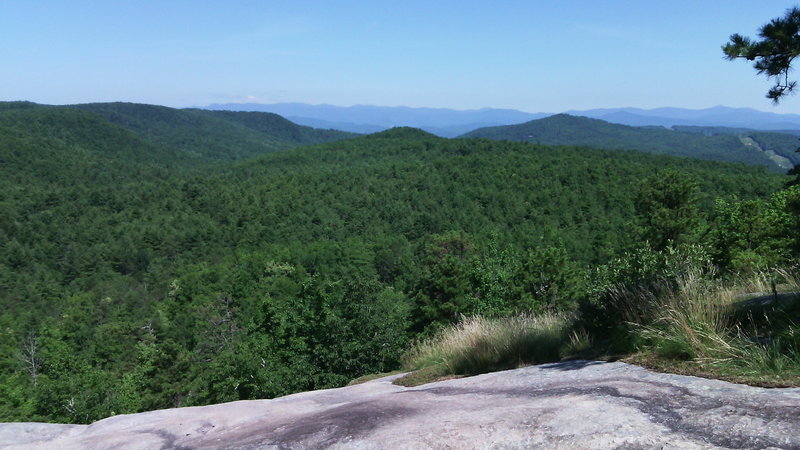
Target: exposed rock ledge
566	405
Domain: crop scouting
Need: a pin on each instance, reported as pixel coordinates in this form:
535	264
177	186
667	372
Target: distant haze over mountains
716	116
451	123
369	119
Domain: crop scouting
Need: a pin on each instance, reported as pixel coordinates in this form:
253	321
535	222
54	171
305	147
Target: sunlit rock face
564	405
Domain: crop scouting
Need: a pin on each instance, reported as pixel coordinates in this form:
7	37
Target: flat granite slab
576	404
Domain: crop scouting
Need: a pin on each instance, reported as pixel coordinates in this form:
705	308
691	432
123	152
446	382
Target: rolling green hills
64	146
783	144
129	284
277	126
563	129
136	133
214	135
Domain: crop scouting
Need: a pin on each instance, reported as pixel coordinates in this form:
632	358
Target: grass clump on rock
478	345
707	328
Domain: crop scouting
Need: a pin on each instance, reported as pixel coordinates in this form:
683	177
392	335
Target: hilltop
157	134
564	129
402	133
215	135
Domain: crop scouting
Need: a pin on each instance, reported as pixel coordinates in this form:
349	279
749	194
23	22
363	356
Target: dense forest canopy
140	271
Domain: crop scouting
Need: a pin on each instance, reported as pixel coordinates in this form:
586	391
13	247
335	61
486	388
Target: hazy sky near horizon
535	56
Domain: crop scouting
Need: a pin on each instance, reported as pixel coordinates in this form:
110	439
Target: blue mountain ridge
450	122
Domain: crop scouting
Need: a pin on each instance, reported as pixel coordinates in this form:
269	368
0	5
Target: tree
793	206
30	358
794	171
445	290
773	54
551	281
753	234
667	208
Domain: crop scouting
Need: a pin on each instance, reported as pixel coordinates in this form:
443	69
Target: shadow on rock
571	365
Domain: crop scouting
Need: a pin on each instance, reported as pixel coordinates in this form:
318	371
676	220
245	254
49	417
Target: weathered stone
579	404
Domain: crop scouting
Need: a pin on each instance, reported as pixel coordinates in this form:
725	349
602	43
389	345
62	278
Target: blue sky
536	56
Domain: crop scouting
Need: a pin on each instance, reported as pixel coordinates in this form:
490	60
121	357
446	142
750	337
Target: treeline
133	285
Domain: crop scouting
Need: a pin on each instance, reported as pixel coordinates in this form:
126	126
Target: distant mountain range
716	116
188	137
451	123
370	119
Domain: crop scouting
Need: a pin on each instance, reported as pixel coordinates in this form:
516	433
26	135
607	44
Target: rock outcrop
578	404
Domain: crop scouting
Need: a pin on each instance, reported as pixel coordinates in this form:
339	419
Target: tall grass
713	325
693	321
742	329
478	345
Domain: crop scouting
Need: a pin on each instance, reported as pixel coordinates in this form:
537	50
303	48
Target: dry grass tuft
712	326
478	345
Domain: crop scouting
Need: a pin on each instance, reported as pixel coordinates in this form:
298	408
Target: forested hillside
217	135
784	143
159	134
127	284
563	129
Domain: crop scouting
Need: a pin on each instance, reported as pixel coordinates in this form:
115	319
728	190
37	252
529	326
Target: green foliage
563	129
773	54
753	235
793	208
706	323
780	146
445	289
131	281
402	133
794	171
550	280
667	212
495	276
783	144
276	126
622	289
213	135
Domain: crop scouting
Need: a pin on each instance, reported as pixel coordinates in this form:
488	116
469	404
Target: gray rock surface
578	404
